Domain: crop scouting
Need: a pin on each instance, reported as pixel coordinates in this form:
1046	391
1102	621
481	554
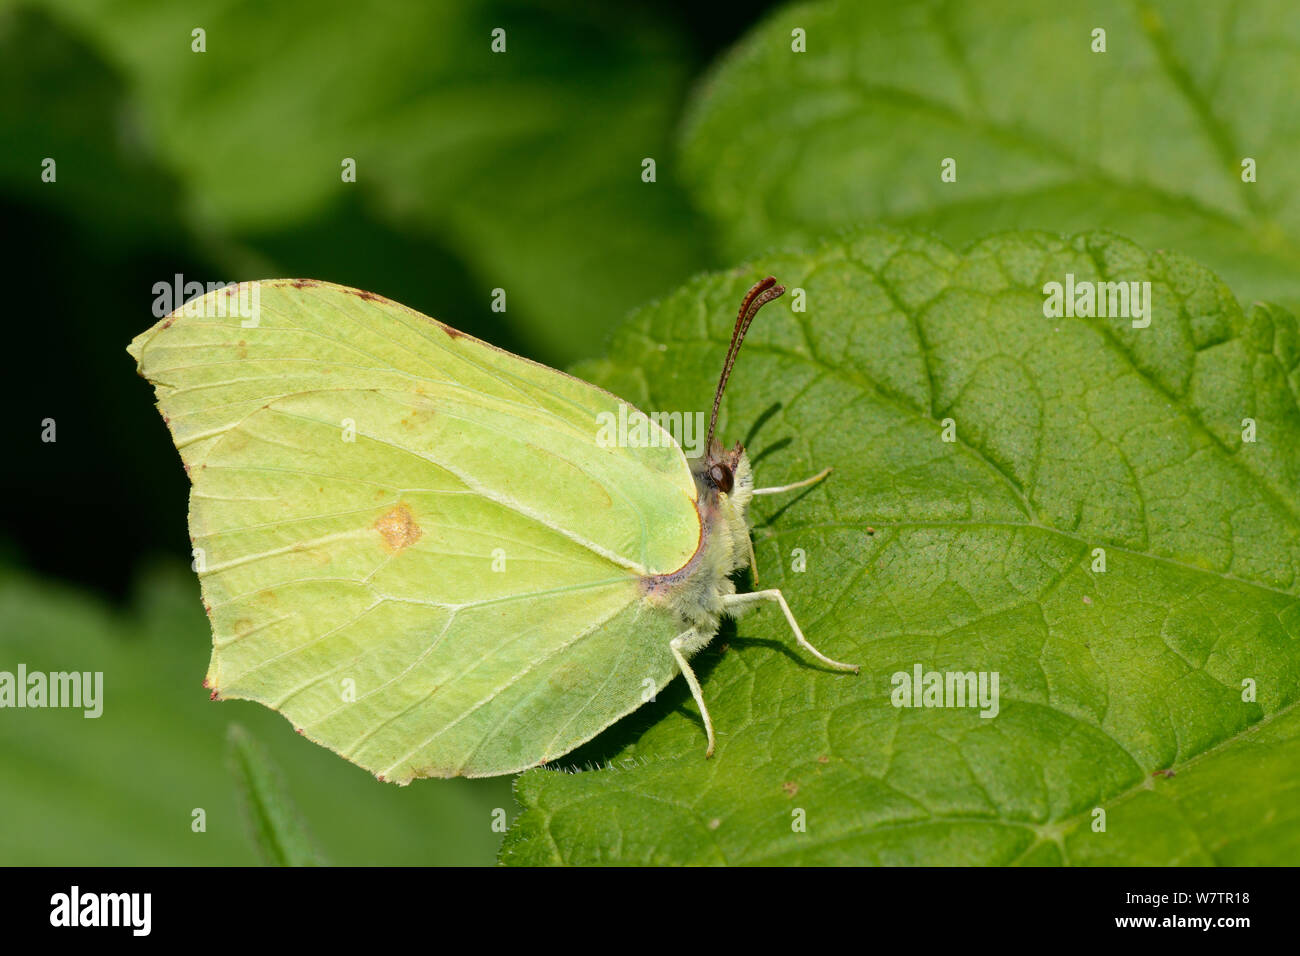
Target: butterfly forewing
410	542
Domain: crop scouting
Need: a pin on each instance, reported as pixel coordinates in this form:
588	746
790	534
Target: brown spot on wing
398	528
418	418
453	333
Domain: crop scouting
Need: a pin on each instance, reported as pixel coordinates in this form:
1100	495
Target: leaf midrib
1016	525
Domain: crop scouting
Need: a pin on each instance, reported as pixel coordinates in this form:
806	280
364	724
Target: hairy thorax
695	591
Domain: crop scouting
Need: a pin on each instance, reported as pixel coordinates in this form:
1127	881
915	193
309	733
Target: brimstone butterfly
411	543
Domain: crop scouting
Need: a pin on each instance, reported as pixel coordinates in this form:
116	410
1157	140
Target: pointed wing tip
137	345
135	348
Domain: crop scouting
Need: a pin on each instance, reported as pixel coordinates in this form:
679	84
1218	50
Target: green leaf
527	163
276	827
977	555
1146	139
122	789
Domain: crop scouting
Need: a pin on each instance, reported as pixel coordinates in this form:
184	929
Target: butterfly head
722	469
725	480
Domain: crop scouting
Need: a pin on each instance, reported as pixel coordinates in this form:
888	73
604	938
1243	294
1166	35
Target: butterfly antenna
762	293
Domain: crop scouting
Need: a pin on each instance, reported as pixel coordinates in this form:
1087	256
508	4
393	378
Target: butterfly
412	545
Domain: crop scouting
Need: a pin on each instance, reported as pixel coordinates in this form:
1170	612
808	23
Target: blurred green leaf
976	555
528	163
274	823
1147	138
121	789
60	101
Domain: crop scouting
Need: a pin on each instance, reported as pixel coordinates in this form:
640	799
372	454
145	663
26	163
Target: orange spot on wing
398	528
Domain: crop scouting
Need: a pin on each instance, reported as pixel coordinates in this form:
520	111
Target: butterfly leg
733	603
796	486
681	645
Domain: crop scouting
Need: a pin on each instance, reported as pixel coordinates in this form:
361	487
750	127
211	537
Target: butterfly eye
721	476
